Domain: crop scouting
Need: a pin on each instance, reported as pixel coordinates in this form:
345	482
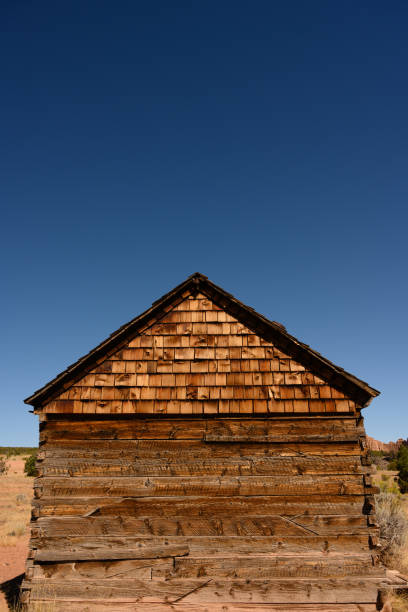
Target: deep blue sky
263	144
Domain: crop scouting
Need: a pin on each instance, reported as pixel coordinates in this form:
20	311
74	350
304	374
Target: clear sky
261	143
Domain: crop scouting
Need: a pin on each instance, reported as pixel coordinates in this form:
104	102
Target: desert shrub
399	602
29	465
387	486
402	467
21	499
3	466
377	459
393	523
18	530
377	453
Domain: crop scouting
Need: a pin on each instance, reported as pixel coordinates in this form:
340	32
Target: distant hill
10	451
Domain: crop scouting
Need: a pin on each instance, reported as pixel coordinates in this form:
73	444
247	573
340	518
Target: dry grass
16	491
385	476
392	517
404	551
399	603
393	522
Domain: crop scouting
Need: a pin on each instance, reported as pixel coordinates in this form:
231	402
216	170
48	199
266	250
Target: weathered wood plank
325	565
86	570
289	438
299	566
83	547
196	485
346	590
112	550
122	606
226	466
198	429
189	450
332	524
173	418
200	506
210	430
238	526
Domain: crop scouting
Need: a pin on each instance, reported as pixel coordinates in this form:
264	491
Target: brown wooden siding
250	511
199	360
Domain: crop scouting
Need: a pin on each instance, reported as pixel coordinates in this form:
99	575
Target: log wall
203	512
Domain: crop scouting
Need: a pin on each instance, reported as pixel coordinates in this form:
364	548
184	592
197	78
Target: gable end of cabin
203	458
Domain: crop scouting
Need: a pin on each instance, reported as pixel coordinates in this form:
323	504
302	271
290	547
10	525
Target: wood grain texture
253	567
345	590
200	506
84	547
198	359
186	450
240	486
299	566
267	525
123	606
256	465
108	570
221	498
198	429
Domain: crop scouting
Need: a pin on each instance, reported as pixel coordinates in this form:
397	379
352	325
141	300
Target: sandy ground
16	491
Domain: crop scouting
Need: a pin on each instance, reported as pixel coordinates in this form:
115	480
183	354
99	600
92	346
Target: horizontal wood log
299	566
83	547
148	507
195	485
239	526
122	606
332	524
198	429
288	438
346	590
189	450
88	570
325	565
174	418
167	401
141	551
224	466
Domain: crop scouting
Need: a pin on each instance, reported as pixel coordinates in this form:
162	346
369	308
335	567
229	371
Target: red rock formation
376	445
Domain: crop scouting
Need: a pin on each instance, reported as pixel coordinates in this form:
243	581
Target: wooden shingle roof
271	331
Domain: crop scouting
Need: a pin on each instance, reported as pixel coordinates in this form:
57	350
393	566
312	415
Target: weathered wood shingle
193	303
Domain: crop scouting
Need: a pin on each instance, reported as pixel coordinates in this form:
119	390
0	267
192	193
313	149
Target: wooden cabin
203	459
